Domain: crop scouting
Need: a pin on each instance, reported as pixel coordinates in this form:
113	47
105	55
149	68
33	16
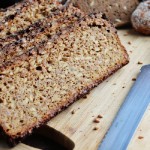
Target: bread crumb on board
95	128
99	116
73	112
133	79
140	137
129	43
139	63
96	120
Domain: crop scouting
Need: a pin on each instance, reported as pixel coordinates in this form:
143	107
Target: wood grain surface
105	100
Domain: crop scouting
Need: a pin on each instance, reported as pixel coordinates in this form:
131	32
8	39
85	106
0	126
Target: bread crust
29	13
40	31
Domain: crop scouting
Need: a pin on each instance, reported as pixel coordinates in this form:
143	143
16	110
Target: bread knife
130	114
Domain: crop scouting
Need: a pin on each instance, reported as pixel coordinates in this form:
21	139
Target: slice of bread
117	11
29	13
41	31
38	85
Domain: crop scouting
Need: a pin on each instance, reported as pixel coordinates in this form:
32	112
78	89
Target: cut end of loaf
67	68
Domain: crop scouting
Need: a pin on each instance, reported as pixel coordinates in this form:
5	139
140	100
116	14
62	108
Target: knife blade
130	114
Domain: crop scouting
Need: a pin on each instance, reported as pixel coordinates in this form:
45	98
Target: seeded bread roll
28	14
56	74
117	11
41	31
141	18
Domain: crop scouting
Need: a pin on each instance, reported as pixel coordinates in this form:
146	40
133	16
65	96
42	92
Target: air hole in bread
21	121
8	33
104	16
1	101
41	98
39	68
10	17
35	86
5	83
7	130
18	133
49	62
48	36
9	81
27	30
9	107
42	29
94	25
53	10
64	59
65	49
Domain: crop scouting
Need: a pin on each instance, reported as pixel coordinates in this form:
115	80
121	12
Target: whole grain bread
117	11
141	18
41	31
29	13
56	74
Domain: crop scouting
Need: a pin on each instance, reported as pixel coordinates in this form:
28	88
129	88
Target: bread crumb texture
42	81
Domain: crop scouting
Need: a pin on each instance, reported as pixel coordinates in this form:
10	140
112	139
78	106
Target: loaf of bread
41	31
117	11
141	18
29	13
39	84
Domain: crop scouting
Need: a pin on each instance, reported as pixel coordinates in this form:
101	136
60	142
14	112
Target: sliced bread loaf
36	86
117	11
29	13
41	31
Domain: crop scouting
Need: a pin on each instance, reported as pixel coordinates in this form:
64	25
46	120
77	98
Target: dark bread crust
39	32
35	28
20	60
29	12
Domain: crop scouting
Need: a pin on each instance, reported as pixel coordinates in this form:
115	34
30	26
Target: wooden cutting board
105	100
